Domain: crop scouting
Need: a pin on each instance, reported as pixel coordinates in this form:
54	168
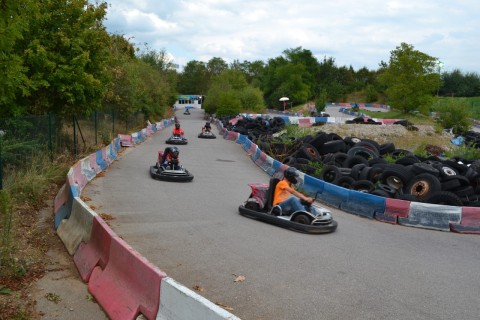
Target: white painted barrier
177	302
78	227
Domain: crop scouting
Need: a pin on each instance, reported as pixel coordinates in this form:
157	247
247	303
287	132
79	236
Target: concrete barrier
96	251
394	208
432	216
79	178
363	204
180	303
334	195
93	163
126	140
78	227
128	286
102	163
63	204
470	222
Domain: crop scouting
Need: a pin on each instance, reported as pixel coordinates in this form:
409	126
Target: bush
454	114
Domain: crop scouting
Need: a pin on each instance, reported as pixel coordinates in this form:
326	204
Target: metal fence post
74	138
96	127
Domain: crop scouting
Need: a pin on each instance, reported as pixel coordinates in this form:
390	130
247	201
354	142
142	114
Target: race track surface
193	232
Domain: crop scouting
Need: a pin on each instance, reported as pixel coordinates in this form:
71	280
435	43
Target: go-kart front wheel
302	219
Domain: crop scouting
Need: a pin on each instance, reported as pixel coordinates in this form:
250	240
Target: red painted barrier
126	140
128	286
394	208
96	251
470	222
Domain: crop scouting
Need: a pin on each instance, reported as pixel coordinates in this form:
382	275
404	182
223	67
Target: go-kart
176	139
186	111
259	206
172	172
207	134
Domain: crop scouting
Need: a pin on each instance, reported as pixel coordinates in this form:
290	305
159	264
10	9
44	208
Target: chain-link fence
23	138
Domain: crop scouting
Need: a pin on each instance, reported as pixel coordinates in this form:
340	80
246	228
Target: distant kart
175	139
187	112
207	135
259	206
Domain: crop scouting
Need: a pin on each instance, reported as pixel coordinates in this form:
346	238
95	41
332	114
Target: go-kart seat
277	211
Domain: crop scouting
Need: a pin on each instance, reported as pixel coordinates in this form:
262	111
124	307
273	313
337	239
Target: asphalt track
193	232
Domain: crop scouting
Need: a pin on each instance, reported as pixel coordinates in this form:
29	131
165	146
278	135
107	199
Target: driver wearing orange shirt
177	131
285	196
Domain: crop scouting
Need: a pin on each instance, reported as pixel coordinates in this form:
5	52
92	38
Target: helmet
177	125
207	124
291	174
174	151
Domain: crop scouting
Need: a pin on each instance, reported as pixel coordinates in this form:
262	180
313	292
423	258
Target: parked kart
172	172
205	134
176	139
259	206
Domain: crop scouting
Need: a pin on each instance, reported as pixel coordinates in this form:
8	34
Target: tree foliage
411	79
454	114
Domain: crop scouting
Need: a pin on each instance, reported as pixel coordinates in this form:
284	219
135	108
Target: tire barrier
385	203
123	282
77	227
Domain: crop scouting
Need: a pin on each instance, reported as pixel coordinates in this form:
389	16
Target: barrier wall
124	283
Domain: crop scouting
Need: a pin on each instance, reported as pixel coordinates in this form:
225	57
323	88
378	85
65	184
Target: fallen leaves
198	288
224	306
238	278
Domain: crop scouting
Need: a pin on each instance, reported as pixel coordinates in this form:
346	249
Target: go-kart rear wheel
252	205
302	218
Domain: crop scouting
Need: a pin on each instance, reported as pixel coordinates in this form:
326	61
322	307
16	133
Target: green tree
455	114
14	83
228	104
194	78
411	79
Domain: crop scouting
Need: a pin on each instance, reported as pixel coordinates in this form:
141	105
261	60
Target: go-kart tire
207	136
302	219
155	174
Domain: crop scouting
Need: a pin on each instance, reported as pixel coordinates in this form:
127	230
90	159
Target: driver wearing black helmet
286	196
170	158
207	127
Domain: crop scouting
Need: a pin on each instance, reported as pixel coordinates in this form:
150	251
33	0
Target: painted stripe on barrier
100	160
78	227
334	195
74	188
87	169
256	154
261	158
64	205
241	139
267	165
78	177
313	185
178	302
129	285
61	197
470	221
363	204
110	153
116	144
94	164
96	251
126	140
431	216
394	208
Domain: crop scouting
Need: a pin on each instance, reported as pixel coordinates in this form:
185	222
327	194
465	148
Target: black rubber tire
356	169
302	218
387	189
351	161
396	176
345	182
423	185
363	152
310	152
386	148
363	186
332	146
444	197
422	167
331	174
252	205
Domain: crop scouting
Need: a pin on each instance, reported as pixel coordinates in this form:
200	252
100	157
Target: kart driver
177	131
287	197
171	160
207	127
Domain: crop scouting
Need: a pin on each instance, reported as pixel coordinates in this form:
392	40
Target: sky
357	33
